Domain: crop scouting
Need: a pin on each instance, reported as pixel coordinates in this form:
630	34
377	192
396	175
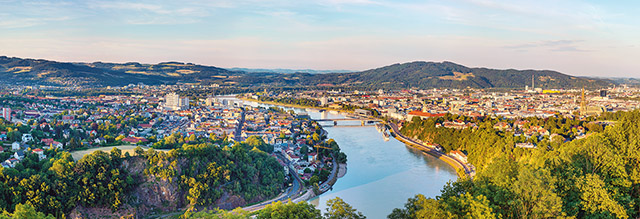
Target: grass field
124	148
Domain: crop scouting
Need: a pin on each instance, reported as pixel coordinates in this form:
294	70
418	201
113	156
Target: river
381	175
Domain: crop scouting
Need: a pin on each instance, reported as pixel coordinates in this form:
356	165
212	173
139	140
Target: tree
278	210
116	154
597	201
138	150
420	207
470	206
27	211
73	144
338	209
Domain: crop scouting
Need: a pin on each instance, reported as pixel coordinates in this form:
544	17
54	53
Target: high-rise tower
583	104
533	83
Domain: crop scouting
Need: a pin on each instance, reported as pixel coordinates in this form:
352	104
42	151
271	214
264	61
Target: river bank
463	170
382	174
457	165
296	106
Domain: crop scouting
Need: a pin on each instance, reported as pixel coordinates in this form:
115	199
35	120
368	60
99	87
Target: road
290	193
435	153
327	184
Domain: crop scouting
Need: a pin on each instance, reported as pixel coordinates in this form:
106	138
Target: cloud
550	45
7	21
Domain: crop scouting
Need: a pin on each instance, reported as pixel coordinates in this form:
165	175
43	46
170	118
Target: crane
318	150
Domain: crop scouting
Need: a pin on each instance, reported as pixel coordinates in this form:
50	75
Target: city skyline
583	38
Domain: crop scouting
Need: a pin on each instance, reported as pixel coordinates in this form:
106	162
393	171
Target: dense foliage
485	143
278	210
55	186
594	177
289	100
204	170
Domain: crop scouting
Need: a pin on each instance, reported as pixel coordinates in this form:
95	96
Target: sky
583	38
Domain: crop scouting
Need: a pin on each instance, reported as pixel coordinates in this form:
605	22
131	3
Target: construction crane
318	150
318	146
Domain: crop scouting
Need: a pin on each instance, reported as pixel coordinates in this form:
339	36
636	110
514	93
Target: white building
15	146
6	114
173	101
27	138
324	101
210	101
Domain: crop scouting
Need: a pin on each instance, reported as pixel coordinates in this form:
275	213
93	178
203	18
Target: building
210	101
324	101
173	101
363	112
603	93
15	146
40	153
27	138
6	114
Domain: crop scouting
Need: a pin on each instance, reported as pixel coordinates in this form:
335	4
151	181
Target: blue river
381	175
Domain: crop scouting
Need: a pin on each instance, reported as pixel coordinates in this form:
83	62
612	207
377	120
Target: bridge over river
363	121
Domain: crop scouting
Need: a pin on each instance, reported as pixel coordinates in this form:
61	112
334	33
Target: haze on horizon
585	38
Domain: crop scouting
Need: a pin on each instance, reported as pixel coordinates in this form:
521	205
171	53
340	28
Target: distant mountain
451	75
397	76
625	81
287	71
44	72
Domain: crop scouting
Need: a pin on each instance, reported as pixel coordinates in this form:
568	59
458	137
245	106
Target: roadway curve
290	193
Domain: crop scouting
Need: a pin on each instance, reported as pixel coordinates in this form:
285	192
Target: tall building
173	101
324	101
210	101
603	93
6	114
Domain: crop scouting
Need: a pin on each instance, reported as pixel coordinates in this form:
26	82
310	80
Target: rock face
155	195
125	211
228	201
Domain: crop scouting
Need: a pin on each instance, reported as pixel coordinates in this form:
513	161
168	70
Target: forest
593	177
204	171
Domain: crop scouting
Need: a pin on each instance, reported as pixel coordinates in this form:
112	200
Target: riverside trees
594	177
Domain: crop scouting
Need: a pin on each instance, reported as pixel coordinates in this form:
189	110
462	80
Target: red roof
37	150
424	114
134	140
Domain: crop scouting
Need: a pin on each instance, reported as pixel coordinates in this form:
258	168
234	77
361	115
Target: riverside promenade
462	168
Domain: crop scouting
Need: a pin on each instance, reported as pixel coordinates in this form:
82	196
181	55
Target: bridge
347	119
363	121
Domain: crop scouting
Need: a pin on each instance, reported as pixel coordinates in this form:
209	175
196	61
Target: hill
45	72
398	76
451	75
287	71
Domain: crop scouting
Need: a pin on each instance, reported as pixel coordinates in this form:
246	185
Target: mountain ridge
416	74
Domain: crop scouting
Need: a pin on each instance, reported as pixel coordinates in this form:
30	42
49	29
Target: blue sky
594	38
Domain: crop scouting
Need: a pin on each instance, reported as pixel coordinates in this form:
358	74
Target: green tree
27	211
277	210
138	151
338	209
597	201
